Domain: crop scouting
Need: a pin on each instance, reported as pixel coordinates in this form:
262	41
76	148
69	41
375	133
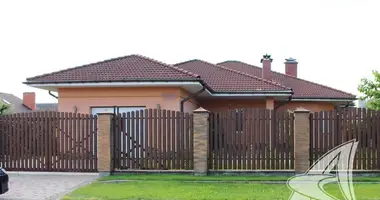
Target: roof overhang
190	86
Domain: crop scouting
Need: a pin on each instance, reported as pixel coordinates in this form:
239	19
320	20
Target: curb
205	181
53	173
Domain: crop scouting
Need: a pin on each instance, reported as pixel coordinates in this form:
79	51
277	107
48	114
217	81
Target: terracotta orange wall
85	98
225	104
312	106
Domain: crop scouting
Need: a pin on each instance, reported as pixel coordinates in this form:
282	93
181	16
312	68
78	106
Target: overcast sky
336	42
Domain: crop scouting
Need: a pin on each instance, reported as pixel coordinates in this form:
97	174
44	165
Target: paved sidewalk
39	186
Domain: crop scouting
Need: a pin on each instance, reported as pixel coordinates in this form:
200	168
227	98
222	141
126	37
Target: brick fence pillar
104	143
201	137
301	140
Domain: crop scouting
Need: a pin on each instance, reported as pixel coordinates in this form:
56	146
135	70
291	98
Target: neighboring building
27	104
133	82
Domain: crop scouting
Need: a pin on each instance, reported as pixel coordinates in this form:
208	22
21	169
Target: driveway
41	186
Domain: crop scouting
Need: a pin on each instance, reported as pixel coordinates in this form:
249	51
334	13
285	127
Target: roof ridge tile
296	78
236	71
170	66
252	76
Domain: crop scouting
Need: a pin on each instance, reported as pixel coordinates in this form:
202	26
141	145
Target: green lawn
184	177
170	187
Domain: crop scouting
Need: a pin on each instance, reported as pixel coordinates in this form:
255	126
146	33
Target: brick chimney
267	71
291	67
29	100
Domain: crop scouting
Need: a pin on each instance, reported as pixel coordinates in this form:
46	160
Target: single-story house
27	104
134	81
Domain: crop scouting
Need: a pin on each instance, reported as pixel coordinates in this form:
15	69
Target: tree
4	108
371	91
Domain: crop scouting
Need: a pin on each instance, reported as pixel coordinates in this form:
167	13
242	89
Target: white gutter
156	84
329	100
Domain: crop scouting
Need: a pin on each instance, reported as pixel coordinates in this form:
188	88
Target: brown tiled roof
301	88
127	68
223	79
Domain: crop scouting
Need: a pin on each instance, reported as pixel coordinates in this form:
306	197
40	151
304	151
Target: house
27	104
133	82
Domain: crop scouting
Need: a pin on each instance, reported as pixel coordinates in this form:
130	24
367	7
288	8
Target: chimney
29	100
291	67
266	72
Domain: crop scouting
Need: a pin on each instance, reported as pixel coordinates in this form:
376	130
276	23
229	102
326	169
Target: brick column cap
200	110
301	110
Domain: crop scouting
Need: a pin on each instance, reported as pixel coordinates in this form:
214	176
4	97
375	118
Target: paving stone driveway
44	186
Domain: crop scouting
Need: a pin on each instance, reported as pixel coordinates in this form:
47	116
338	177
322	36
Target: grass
184	177
170	190
173	186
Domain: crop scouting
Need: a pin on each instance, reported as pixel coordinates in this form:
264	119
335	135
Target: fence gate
152	139
250	139
331	128
48	141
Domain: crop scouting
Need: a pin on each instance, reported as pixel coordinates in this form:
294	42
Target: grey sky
336	42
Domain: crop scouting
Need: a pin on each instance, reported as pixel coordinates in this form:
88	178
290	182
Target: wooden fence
331	128
153	139
48	141
250	139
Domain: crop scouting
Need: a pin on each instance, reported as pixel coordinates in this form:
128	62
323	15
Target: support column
201	141
104	144
301	140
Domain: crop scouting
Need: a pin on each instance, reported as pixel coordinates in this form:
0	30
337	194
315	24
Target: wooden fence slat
83	142
212	161
187	141
164	137
191	141
28	139
286	140
142	139
368	140
238	135
373	140
363	140
159	139
127	138
222	126
248	136
244	137
178	138
282	135
269	115
255	134
155	133
137	136
169	140
292	140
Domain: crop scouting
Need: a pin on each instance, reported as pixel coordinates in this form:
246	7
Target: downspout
286	102
192	96
51	94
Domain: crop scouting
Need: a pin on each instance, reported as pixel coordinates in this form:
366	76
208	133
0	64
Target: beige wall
225	104
191	104
312	106
168	98
85	98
